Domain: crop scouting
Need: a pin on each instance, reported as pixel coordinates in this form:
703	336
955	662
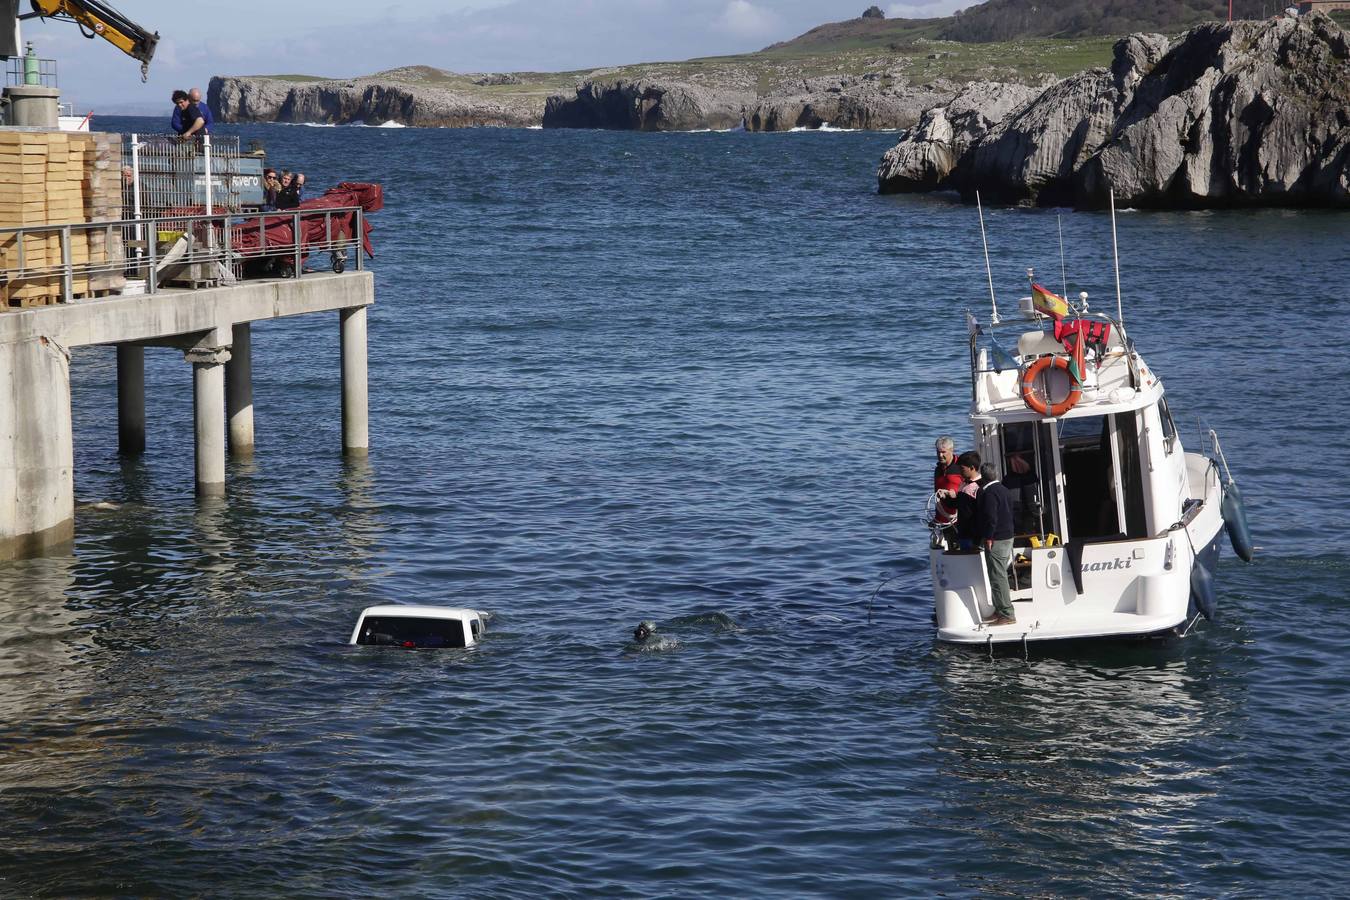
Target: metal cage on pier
166	176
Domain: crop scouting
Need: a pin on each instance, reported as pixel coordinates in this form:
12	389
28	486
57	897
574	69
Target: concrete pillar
33	105
130	399
239	391
37	488
355	394
208	401
208	360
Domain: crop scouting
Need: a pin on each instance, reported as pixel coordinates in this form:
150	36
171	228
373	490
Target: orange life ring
1031	396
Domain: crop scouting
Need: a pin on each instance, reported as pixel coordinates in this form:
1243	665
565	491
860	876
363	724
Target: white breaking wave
825	127
392	124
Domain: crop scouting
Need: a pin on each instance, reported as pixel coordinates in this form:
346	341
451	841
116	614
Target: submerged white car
419	627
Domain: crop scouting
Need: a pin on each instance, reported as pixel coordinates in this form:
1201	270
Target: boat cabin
1108	467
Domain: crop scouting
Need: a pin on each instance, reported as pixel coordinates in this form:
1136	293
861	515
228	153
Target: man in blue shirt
195	95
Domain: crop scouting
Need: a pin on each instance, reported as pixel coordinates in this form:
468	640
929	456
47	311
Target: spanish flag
1052	304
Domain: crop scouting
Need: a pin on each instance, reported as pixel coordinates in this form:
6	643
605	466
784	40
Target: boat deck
1109	387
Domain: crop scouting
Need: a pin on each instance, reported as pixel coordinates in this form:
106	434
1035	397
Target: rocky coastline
368	101
1228	115
1248	113
868	102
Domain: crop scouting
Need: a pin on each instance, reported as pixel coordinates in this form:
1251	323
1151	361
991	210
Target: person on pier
204	109
187	119
288	197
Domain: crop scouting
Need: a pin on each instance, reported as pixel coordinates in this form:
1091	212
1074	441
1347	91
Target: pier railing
30	70
48	264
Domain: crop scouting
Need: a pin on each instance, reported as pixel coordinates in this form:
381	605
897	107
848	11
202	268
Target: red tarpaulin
255	235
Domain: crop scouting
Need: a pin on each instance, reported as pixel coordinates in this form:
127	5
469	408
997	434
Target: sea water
691	378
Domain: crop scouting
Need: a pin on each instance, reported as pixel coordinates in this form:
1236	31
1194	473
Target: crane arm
101	19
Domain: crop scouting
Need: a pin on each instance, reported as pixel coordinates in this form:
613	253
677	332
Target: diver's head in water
643	631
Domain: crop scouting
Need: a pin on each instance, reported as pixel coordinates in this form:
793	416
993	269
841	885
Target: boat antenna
1115	251
988	271
1063	276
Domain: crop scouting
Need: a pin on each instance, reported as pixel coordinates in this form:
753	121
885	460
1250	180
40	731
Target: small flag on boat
1048	302
1077	366
1002	358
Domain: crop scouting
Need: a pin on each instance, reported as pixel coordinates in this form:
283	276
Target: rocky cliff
368	101
1241	114
657	103
647	105
866	102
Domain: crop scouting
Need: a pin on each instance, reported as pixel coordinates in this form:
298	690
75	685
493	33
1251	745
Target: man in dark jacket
994	530
187	118
289	195
967	521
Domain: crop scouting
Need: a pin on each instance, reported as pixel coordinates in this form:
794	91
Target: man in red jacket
947	482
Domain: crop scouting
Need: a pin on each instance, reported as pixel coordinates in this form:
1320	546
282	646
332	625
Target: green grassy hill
1006	40
1005	20
1010	20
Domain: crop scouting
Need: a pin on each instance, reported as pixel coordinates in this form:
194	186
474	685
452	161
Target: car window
409	631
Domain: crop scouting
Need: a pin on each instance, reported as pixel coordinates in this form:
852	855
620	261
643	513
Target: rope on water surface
878	591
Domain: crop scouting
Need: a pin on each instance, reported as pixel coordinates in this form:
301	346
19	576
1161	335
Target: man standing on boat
994	518
967	527
947	481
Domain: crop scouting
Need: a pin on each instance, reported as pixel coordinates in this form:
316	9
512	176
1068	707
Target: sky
342	39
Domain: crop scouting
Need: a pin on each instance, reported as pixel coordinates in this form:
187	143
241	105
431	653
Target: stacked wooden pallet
23	201
103	203
52	178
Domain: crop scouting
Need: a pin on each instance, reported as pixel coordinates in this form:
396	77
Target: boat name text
1108	565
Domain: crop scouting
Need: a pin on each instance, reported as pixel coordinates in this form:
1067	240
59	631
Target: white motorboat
1117	525
67	120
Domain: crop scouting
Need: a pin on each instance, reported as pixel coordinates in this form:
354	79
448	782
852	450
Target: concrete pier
355	401
130	399
239	391
37	496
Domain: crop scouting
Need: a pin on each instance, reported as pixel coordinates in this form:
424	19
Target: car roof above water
423	612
